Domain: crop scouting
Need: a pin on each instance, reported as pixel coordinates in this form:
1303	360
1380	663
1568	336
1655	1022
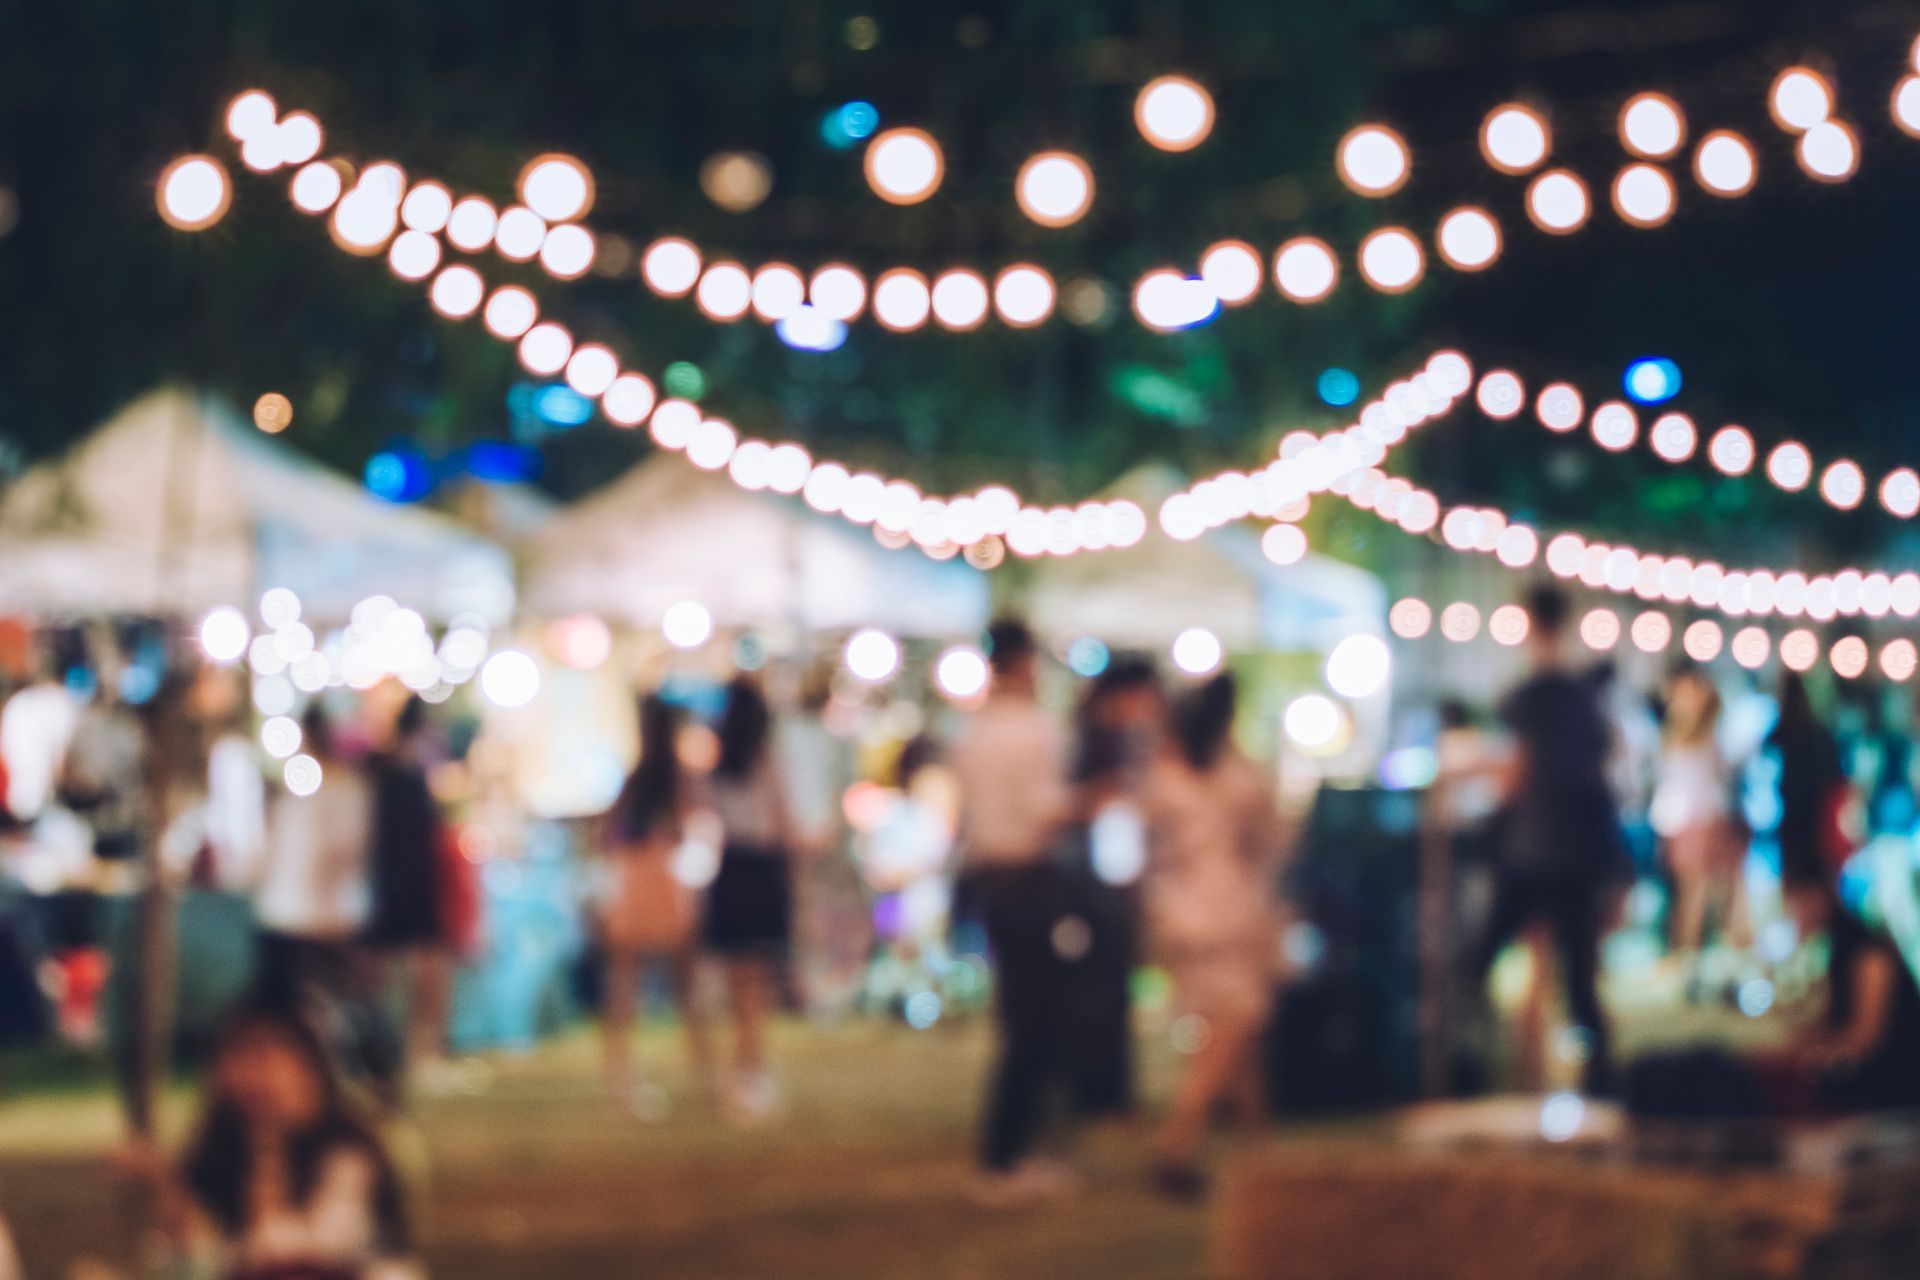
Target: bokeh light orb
1460	622
224	634
904	166
1509	624
511	311
1373	160
1906	106
1173	113
193	193
686	624
1305	269
428	207
629	400
1359	666
871	655
1600	629
1849	657
1829	151
838	292
1651	126
1514	138
1231	269
1899	659
1054	188
901	299
1643	195
1900	492
1313	722
510	678
1800	99
545	348
456	292
961	673
1731	450
1501	394
1284	544
251	113
591	370
273	413
1558	203
1702	640
671	266
1197	652
1673	436
471	224
1023	296
736	181
1843	484
1167	300
778	291
1469	239
959	299
315	187
1410	618
1724	164
567	252
1790	466
1799	649
1391	260
558	187
414	255
519	233
725	291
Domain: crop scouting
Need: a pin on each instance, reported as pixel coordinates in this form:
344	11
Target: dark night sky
1791	311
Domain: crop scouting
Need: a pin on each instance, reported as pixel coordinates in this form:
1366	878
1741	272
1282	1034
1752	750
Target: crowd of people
1137	831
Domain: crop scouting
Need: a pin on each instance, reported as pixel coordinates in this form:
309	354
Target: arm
1873	987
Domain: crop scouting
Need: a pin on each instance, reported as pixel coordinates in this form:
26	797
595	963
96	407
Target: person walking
1692	814
1560	851
1011	764
647	913
1215	845
750	902
406	926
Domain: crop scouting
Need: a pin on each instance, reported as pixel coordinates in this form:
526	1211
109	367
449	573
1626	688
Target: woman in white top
750	902
1692	813
1214	846
281	1179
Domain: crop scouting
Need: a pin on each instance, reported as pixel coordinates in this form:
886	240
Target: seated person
1861	1054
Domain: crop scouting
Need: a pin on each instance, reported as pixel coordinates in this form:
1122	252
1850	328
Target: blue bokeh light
561	405
1087	657
809	329
1652	380
398	476
501	461
849	123
1338	387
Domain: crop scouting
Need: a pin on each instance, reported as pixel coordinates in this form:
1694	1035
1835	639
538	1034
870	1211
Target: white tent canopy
666	532
1144	597
175	506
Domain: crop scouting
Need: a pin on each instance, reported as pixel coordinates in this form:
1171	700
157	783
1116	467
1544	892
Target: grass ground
533	1175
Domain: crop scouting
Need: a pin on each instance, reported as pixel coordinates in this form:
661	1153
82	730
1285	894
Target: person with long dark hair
1813	786
647	912
1215	844
281	1178
750	902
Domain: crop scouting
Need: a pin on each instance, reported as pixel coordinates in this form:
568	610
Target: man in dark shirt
1560	849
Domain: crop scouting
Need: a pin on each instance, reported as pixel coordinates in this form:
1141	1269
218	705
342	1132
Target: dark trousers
1573	910
1025	908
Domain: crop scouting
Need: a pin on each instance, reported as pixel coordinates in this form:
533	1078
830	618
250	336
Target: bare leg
620	978
693	1017
750	991
1209	1075
1530	1033
1689	912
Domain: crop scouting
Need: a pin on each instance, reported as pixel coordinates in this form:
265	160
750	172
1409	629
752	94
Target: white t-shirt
1012	768
35	727
313	875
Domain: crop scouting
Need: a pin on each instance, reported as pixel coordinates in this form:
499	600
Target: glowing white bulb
1305	269
904	166
959	299
250	113
1800	99
194	193
1673	436
1232	270
1843	484
837	292
1410	618
1373	160
456	292
1643	195
1651	126
510	312
1614	426
1023	296
1197	651
686	624
871	655
364	219
1501	394
414	255
316	187
591	369
303	775
1284	544
1174	113
901	299
1391	260
1600	629
1359	666
712	444
1849	657
1559	406
1168	300
1313	722
1906	106
428	207
1514	138
1054	188
567	251
519	233
778	292
510	678
726	291
545	348
629	400
1731	450
1557	202
557	187
470	224
961	672
1724	164
1790	466
1900	492
1828	151
224	634
671	266
298	137
1469	239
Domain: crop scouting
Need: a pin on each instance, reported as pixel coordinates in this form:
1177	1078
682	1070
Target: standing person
1214	850
1118	732
1692	813
1813	787
311	899
281	1179
1011	764
750	902
647	913
1560	851
406	925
